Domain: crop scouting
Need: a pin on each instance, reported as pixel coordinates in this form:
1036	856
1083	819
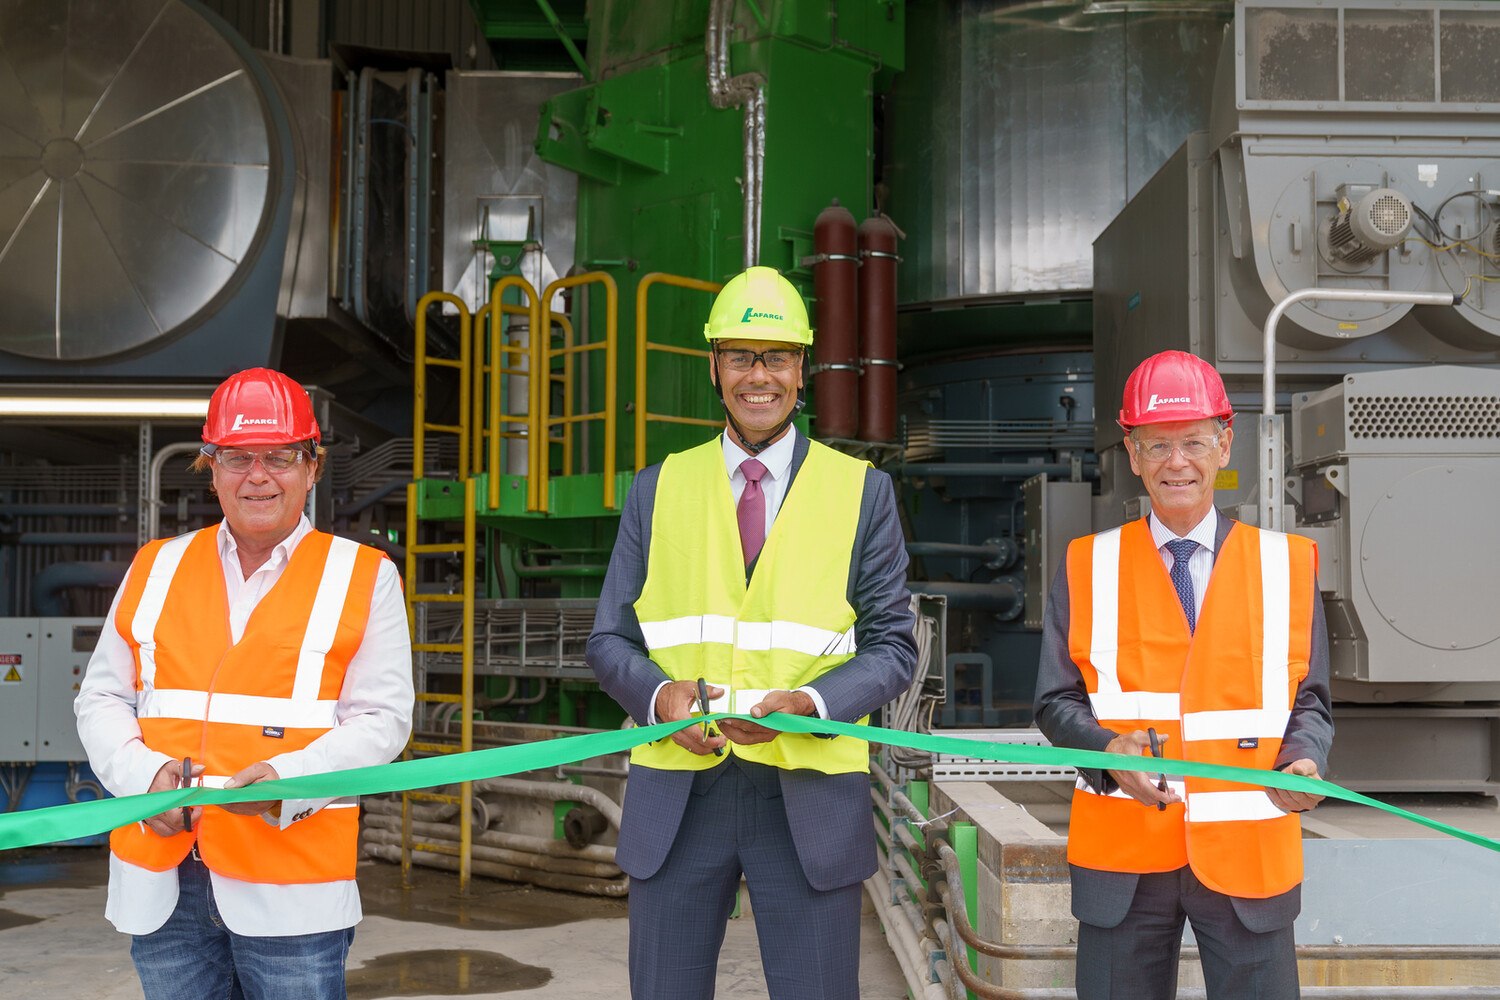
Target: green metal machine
698	124
706	137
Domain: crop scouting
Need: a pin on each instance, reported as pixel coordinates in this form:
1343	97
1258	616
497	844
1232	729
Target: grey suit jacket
1066	718
829	815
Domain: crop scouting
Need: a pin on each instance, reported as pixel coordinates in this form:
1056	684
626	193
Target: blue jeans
193	956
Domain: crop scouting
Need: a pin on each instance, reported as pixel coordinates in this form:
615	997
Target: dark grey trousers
1137	960
735	824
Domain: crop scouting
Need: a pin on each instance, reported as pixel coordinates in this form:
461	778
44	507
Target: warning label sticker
12	675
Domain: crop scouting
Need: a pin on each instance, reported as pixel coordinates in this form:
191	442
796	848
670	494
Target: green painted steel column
965	840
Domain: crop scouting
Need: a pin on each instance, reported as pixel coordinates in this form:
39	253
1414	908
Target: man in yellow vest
251	650
773	568
1206	637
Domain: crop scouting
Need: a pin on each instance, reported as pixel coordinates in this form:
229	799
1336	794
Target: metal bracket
823	258
933	958
1338	477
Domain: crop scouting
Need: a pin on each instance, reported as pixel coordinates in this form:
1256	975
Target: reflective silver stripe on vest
1227	807
303	710
1110	701
323	622
236	709
1138	705
153	598
690	630
1173	785
751	636
1104	637
1269	721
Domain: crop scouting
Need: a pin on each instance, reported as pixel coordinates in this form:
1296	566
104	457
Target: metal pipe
1000	470
554	791
910	811
1001	596
71	538
1272	436
510	873
389	817
393	549
447	836
996	553
748	91
372	498
45	588
567	42
68	510
907	944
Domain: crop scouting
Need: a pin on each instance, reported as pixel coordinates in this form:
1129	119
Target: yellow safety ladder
464	547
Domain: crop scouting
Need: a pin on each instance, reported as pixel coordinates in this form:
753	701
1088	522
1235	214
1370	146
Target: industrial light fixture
105	407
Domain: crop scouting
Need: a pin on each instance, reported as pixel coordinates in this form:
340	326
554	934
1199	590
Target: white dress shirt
374	720
777	458
1201	562
778	462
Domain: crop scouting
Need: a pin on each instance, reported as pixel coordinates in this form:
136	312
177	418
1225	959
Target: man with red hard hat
1186	634
251	650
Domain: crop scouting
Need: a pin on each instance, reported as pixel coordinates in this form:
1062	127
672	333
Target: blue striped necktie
1182	550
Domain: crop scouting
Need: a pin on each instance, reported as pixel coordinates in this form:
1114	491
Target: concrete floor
506	941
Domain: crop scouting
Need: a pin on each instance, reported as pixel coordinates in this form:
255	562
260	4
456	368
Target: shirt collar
228	547
777	458
1205	533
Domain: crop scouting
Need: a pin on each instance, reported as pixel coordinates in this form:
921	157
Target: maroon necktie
752	510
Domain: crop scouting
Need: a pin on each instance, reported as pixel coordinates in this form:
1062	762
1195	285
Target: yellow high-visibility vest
791	624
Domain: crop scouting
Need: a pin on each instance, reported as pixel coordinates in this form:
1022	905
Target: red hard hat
1172	386
260	406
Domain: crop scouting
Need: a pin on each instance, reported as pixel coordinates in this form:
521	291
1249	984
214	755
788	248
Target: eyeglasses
743	361
272	460
1192	449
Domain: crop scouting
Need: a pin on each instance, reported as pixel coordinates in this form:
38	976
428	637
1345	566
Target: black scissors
187	782
1161	785
703	707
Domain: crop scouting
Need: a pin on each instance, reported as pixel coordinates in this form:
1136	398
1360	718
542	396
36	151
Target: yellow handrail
498	350
541	423
642	345
420	425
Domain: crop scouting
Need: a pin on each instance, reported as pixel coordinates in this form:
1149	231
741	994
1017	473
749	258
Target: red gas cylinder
877	329
836	346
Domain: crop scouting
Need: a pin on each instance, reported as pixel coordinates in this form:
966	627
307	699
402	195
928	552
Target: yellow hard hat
759	304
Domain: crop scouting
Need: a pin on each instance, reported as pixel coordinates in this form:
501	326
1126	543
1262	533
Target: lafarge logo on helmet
240	420
1155	399
751	313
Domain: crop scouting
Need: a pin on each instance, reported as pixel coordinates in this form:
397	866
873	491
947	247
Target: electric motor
1364	229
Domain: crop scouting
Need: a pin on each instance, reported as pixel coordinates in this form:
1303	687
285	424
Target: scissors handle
187	782
703	707
1161	785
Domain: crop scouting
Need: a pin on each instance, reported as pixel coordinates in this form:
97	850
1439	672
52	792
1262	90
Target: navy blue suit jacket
1066	717
829	815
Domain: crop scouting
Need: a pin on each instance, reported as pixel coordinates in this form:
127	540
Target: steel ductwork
145	166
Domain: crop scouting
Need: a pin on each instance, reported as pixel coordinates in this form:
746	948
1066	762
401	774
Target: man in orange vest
1206	637
257	649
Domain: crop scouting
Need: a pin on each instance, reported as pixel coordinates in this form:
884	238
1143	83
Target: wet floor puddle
9	919
451	972
490	905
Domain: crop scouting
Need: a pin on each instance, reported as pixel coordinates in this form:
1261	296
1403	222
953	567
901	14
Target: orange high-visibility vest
228	705
1223	694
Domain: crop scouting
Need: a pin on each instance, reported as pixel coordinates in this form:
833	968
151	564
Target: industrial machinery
1350	146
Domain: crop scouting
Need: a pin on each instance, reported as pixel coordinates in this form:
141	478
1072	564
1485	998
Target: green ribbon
82	819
